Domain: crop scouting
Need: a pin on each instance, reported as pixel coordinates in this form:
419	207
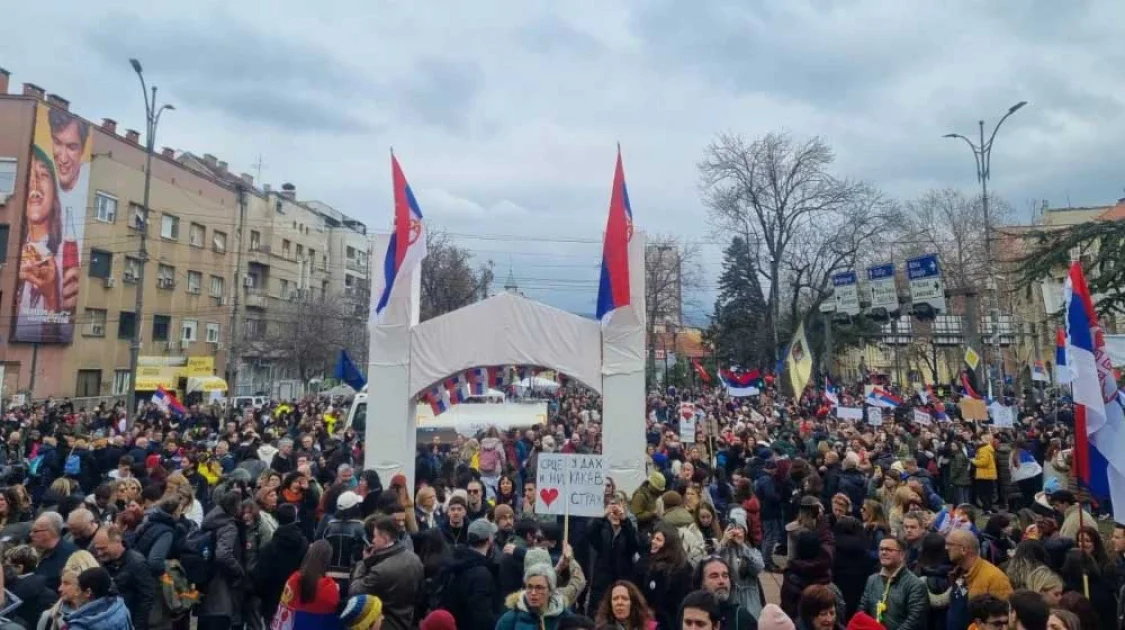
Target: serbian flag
501	376
701	371
1099	419
166	401
408	241
480	380
613	289
458	389
1062	367
831	395
879	397
741	384
969	385
436	397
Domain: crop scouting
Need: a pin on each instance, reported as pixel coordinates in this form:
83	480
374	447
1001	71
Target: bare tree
309	334
778	194
449	279
672	278
951	224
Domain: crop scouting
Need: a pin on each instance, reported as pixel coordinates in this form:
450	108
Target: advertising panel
52	227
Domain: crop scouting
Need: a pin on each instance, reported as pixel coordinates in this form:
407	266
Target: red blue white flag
613	289
408	241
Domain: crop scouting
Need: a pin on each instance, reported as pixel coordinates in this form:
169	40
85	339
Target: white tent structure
538	383
506	329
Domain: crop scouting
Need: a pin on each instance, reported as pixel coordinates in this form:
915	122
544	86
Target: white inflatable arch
506	329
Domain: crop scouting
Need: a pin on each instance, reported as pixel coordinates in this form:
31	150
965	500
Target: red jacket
753	520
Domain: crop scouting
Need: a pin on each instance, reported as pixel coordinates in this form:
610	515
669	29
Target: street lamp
152	119
982	156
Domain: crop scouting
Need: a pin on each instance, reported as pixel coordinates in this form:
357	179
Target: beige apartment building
202	214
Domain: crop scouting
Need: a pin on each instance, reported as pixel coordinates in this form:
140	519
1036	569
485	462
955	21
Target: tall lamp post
152	119
982	155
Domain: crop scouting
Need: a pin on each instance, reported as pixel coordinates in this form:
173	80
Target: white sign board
881	284
573	484
849	413
926	287
846	290
875	416
687	430
921	417
1002	417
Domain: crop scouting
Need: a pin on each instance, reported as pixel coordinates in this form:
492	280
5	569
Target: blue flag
347	371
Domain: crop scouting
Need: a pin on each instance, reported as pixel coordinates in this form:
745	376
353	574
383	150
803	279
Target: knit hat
773	618
286	514
671	499
862	621
540	569
362	612
738	518
536	555
439	620
656	480
399	480
503	510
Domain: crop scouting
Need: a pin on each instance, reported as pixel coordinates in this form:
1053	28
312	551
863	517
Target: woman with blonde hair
178	484
69	593
1047	584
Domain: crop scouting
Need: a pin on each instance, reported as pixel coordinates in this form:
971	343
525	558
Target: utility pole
152	119
982	155
233	355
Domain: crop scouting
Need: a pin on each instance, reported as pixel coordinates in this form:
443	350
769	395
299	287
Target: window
286	247
169	227
132	269
187	330
219	241
101	264
194	282
212	333
8	168
89	383
4	241
312	255
217	287
161	324
255	328
126	325
95	322
350	253
197	235
300	251
255	240
105	207
165	277
121	380
136	216
284	293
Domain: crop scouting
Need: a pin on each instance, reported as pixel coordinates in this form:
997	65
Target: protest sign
570	484
973	409
875	416
1002	417
921	417
849	413
687	430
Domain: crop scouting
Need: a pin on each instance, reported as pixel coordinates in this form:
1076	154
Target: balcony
355	265
256	299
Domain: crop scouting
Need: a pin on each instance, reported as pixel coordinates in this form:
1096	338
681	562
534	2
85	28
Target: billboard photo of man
50	259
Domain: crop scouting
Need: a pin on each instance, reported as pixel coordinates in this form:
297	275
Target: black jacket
155	539
613	554
474	598
36	597
277	560
136	585
51	565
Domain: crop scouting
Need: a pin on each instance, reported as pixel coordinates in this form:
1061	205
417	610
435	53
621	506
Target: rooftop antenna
258	168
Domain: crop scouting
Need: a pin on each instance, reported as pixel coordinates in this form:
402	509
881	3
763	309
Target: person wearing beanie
278	559
864	621
643	502
439	619
454	527
539	604
470	591
676	515
773	618
363	612
565	566
745	564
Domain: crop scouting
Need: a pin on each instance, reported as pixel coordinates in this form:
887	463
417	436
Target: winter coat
753	509
32	590
959	472
690	536
495	445
985	463
905	596
278	559
154	539
473	598
394	575
800	574
319	614
613	554
938	592
852	566
663	591
643	505
520	617
223	595
853	486
746	564
770	497
135	584
105	613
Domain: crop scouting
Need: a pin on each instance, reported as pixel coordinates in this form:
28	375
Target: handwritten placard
1003	417
577	481
849	413
923	418
687	430
875	416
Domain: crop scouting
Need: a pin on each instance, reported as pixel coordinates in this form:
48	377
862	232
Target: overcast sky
505	115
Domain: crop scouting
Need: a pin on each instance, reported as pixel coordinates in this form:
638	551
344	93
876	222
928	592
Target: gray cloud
440	92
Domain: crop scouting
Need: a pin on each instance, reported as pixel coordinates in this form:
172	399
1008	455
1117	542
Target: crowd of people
263	518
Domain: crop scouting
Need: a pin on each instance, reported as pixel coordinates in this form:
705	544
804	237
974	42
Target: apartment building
72	194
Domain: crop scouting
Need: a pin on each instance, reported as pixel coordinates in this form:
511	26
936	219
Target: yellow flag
972	358
799	361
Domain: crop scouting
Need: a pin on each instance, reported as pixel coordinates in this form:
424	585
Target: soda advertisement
58	181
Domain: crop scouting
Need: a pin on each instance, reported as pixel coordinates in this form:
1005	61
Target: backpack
35	466
73	466
490	460
197	556
180	595
439	592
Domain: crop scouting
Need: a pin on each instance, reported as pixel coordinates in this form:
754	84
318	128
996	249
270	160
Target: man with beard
714	577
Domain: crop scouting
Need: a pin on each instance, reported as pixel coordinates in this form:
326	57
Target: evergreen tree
740	327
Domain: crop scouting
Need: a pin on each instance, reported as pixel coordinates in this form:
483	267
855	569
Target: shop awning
152	383
206	384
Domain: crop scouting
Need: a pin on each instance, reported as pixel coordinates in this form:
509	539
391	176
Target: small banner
575	480
875	416
849	413
921	417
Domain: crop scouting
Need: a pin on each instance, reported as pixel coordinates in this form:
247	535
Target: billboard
58	182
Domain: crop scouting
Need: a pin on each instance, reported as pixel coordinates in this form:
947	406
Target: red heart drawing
687	414
549	496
